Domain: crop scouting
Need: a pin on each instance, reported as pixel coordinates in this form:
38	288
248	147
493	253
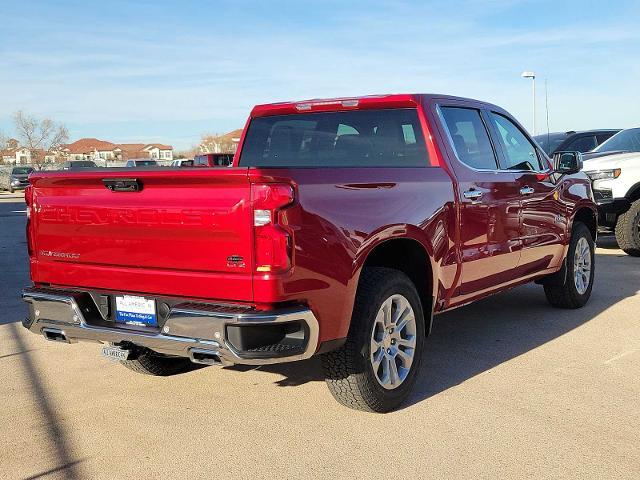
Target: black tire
148	362
11	189
564	293
348	371
628	230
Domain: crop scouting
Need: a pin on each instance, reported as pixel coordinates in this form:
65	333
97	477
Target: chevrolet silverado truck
341	228
614	168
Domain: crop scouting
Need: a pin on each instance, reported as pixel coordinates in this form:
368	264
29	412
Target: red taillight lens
273	239
28	199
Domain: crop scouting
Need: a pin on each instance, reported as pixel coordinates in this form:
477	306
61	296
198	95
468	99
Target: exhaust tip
204	357
54	335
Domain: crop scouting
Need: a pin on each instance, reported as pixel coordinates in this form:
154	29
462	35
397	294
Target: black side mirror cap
567	162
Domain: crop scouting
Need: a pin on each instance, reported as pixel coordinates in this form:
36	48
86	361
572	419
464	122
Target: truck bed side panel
336	221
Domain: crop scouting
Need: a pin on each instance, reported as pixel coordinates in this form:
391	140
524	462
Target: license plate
115	353
134	310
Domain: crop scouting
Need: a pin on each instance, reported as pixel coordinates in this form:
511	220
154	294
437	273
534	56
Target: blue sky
130	71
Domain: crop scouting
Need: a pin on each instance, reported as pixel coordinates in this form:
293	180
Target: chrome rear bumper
199	331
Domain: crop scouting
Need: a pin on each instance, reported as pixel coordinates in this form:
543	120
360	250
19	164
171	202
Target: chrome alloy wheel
393	342
582	266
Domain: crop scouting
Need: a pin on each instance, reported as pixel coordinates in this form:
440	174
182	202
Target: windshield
551	142
626	140
145	163
22	171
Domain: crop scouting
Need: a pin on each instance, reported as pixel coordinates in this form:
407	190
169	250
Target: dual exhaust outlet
55	335
196	355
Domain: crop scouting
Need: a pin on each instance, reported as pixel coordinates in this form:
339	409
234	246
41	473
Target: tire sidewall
580	231
634	220
398	284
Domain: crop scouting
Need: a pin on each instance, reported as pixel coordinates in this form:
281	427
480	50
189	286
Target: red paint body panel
176	235
339	216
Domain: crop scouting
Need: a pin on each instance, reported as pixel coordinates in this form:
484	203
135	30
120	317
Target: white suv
614	168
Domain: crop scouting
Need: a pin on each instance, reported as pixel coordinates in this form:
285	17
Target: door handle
473	195
527	191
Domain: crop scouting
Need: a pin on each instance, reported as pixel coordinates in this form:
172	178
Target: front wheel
376	368
628	230
575	289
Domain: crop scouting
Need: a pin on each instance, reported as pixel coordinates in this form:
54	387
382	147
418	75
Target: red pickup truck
342	227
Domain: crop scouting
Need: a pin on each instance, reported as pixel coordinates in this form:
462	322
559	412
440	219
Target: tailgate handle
122	184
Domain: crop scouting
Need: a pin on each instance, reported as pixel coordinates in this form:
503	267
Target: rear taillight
273	239
28	199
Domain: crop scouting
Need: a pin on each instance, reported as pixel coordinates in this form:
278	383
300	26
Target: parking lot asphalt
510	388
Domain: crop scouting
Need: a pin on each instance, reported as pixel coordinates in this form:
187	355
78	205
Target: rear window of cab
357	138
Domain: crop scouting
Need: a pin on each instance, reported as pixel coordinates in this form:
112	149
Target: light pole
532	76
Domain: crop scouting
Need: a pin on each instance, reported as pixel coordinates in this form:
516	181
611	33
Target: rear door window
359	138
519	152
469	137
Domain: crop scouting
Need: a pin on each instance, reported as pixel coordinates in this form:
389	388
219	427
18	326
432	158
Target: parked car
16	179
342	228
182	162
582	142
141	162
78	164
614	168
213	160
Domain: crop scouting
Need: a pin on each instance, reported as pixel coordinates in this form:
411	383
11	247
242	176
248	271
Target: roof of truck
394	100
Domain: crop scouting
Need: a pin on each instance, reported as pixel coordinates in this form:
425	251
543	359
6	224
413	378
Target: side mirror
567	162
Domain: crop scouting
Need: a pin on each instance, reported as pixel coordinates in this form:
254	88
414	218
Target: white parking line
623	354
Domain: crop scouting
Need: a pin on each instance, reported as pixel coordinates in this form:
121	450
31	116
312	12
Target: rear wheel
574	290
376	368
628	230
148	362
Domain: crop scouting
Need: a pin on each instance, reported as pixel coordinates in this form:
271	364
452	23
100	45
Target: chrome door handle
527	191
474	195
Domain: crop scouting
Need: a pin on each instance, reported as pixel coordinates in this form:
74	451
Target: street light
532	76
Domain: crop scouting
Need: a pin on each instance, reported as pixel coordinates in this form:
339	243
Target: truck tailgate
184	232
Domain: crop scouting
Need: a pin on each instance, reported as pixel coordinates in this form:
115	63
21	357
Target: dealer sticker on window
134	310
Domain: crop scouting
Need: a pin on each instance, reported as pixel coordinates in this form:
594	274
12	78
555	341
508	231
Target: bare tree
41	136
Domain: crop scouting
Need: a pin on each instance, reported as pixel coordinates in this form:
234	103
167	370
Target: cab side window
469	137
519	152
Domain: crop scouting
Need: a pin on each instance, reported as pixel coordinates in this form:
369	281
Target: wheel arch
588	215
411	256
634	193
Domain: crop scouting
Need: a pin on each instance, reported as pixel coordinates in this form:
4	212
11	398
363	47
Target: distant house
15	154
159	151
19	156
227	143
90	149
125	151
95	149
